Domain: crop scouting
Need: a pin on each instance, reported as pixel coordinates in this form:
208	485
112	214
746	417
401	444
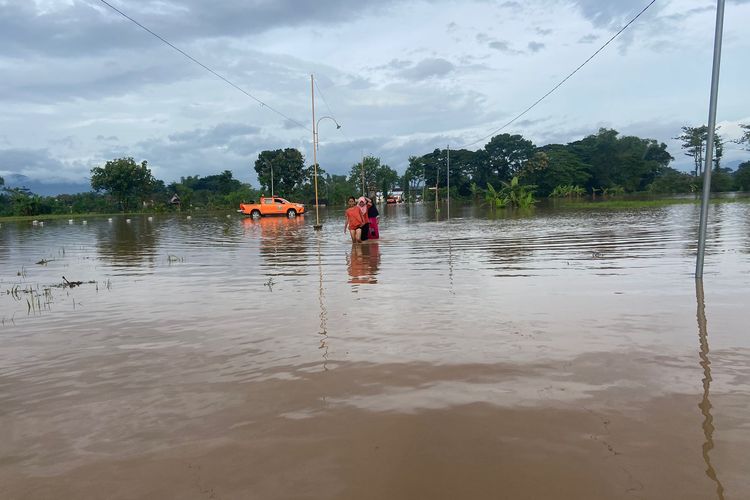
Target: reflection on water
363	262
544	355
283	243
128	242
323	330
705	404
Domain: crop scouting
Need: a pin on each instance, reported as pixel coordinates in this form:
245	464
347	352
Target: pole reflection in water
705	404
323	331
363	263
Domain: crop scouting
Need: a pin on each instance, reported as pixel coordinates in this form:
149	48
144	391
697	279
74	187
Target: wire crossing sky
81	87
561	82
248	94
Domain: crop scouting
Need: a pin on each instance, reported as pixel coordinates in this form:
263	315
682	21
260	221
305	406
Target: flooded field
559	354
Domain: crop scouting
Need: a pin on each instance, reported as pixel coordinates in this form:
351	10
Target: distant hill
45	188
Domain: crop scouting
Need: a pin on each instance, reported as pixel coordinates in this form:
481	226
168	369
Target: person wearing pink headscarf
362	206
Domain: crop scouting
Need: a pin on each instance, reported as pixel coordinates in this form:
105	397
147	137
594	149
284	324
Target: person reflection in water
356	220
363	264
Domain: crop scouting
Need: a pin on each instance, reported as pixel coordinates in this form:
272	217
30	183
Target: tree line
508	166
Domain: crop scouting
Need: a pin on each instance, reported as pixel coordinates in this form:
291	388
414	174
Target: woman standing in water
355	220
372	215
362	206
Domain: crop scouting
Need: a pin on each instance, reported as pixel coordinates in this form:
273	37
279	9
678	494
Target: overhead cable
248	94
563	80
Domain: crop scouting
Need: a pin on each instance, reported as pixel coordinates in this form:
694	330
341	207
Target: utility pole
710	140
318	226
363	174
448	171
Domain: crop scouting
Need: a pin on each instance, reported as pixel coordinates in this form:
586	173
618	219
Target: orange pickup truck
271	205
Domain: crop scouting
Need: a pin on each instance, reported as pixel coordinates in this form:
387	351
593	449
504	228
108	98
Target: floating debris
270	283
73	284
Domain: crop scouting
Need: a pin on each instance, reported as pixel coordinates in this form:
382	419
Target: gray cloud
502	46
215	136
90	27
428	68
40	164
535	46
590	38
604	14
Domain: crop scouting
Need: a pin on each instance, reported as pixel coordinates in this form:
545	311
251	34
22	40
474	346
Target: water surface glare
560	354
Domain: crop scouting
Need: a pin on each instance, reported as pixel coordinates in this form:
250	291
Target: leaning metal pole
710	140
317	225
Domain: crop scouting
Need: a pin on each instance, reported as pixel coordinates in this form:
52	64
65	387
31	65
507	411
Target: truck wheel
291	213
255	214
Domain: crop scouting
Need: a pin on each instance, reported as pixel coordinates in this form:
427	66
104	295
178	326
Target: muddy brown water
557	354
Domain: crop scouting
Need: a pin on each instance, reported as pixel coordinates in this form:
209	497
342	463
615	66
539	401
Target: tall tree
694	141
288	169
745	139
742	177
562	168
369	173
505	155
124	179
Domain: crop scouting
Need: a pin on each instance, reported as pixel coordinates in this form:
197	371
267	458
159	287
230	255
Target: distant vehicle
394	198
397	196
271	205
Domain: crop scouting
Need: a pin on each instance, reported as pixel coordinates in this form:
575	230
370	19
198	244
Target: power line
330	111
563	80
248	94
320	93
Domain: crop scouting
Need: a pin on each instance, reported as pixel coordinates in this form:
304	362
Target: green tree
629	162
562	168
337	189
386	179
745	139
722	180
671	181
124	179
463	163
694	141
742	177
511	194
505	155
432	167
370	173
288	167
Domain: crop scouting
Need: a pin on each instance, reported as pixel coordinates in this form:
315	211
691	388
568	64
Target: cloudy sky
80	84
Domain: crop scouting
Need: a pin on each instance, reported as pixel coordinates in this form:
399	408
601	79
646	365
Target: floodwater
550	355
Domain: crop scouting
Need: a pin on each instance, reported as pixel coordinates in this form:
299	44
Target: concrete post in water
710	140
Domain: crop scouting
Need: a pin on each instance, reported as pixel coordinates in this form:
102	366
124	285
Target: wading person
354	220
362	205
372	215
